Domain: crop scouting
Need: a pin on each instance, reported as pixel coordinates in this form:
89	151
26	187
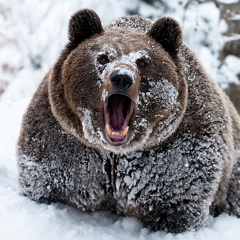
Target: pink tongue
116	137
117	116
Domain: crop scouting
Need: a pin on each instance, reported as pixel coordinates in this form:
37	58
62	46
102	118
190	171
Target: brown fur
180	159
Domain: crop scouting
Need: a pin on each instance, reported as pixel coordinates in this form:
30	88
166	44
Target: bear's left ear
168	33
82	25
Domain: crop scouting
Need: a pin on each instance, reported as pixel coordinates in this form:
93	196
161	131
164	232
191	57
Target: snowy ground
23	219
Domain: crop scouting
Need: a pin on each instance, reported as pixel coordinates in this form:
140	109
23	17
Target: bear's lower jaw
118	110
116	138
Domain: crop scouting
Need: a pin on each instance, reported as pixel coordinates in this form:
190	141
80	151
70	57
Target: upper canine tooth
109	130
124	132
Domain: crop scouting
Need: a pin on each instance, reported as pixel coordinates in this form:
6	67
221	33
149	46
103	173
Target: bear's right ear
82	25
168	33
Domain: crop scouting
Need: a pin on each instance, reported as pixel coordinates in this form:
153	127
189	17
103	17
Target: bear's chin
118	112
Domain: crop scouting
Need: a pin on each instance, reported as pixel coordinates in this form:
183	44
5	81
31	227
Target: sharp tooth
124	132
109	130
116	133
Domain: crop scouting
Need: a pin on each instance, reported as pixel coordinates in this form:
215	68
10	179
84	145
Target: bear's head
119	89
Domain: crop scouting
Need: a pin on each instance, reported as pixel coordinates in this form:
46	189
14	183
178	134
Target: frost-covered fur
181	161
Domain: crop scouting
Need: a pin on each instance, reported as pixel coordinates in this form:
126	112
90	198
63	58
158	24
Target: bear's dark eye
103	59
141	63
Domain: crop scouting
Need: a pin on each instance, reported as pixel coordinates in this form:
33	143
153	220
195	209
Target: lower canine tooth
124	132
109	130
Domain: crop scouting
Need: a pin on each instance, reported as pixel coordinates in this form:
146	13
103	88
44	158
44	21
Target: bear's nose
122	81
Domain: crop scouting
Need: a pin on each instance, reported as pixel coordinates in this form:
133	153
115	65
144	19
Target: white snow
236	17
229	70
22	218
234	37
90	134
227	1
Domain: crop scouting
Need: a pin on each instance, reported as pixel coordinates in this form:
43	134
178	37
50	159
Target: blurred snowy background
32	34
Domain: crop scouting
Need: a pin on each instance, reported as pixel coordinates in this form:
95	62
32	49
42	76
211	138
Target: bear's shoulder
133	23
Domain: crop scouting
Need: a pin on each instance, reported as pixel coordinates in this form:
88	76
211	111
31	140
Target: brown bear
128	120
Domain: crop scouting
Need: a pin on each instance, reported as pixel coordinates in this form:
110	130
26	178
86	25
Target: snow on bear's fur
128	120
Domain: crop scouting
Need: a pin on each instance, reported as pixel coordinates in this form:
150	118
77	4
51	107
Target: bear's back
133	23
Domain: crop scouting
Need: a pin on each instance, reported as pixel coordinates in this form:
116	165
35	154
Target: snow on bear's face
126	90
120	89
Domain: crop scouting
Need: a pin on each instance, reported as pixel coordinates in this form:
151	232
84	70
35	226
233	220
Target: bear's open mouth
118	110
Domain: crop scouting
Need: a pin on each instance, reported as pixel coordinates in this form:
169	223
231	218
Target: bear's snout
122	80
119	103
